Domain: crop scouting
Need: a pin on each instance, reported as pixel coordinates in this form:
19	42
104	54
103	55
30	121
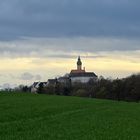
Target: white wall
81	79
34	90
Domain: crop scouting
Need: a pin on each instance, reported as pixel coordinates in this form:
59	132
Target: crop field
43	117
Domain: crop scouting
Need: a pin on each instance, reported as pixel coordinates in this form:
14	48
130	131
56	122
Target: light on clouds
42	39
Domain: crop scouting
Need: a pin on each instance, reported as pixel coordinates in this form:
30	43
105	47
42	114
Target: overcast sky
39	36
69	18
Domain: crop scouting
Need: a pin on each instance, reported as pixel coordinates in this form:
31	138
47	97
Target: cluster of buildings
78	75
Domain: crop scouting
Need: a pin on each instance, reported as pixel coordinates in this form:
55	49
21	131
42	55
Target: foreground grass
42	117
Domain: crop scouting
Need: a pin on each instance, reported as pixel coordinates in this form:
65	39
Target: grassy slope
42	117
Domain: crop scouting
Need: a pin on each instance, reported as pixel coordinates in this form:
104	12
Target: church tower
79	64
79	67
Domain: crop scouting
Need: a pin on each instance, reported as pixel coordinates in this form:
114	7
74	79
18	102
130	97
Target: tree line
125	89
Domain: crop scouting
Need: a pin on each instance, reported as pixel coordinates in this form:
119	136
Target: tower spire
79	64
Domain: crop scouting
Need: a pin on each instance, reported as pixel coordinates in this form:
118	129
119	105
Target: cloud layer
65	47
65	18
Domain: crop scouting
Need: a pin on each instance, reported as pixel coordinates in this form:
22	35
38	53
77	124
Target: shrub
81	93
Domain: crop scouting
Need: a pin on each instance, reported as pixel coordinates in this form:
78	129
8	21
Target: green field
42	117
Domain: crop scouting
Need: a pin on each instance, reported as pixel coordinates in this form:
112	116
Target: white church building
80	75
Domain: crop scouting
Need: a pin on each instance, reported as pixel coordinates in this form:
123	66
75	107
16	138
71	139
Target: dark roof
77	71
43	83
52	81
84	74
61	78
37	83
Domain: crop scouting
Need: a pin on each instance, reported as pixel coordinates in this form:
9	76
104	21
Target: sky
41	39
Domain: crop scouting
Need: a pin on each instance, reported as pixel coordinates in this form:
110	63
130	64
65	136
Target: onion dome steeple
79	64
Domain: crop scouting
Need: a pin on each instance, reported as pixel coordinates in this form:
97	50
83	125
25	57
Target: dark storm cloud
65	18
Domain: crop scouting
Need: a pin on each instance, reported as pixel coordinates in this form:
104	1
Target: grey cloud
38	77
65	47
68	18
29	76
74	56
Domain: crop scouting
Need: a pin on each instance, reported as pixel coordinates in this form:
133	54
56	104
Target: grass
42	117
